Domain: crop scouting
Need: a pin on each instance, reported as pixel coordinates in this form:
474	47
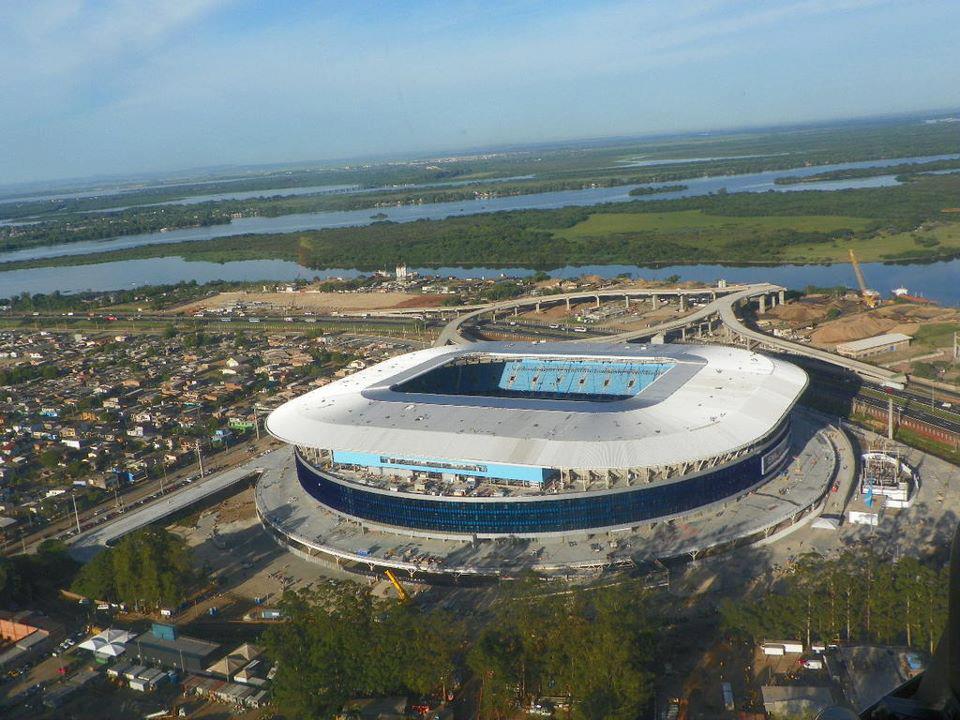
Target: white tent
110	643
113	635
825	523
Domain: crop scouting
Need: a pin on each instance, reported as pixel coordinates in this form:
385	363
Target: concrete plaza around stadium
819	460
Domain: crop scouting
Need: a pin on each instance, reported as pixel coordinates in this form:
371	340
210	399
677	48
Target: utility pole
890	417
199	458
76	515
256	421
163	465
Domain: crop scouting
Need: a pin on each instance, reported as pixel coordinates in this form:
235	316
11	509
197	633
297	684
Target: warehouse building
872	346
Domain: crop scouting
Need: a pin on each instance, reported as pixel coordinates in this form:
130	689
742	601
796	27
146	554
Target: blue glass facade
549	514
523	473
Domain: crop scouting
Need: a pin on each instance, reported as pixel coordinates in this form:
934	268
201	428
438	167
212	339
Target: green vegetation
689	223
148	297
502	291
150	568
949	452
78	228
858	597
936	334
903	171
591	648
695	235
17	374
930	371
473	179
649	190
340	642
878	223
25	579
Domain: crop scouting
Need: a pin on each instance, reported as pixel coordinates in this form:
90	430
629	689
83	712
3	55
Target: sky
129	86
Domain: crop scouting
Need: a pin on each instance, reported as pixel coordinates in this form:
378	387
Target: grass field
690	223
696	229
884	247
936	334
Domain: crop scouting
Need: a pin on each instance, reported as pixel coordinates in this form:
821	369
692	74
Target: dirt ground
316	301
811	309
900	318
238	507
230	542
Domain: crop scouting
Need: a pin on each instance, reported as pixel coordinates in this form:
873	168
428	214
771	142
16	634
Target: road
722	307
559	332
295	319
450	335
89	543
130	496
729	318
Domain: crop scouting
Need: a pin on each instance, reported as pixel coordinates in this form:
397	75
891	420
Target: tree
24	578
858	596
593	647
340	642
150	568
50	458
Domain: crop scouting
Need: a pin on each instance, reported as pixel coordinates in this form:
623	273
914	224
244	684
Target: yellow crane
870	297
401	592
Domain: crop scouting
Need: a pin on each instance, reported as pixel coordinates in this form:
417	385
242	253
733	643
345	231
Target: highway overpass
720	311
84	546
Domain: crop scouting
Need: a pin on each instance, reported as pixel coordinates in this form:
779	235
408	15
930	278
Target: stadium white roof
715	399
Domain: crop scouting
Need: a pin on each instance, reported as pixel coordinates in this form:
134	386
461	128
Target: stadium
544	442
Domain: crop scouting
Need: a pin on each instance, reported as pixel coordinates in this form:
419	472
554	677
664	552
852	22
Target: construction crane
401	592
870	297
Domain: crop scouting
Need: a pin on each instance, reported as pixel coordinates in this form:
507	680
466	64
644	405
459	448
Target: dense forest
26	579
150	568
589	649
857	597
902	170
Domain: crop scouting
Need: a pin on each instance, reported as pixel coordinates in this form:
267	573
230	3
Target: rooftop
686	402
189	646
872	342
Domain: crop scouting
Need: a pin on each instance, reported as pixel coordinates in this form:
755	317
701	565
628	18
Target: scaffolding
885	476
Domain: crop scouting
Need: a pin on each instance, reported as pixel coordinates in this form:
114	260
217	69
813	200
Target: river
750	182
936	281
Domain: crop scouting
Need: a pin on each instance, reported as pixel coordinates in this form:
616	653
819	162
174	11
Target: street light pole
199	458
76	515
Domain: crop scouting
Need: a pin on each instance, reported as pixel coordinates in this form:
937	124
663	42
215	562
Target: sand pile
856	327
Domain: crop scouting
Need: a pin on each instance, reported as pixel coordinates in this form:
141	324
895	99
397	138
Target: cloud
53	38
143	83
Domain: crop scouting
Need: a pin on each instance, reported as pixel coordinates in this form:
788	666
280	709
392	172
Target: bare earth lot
315	301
